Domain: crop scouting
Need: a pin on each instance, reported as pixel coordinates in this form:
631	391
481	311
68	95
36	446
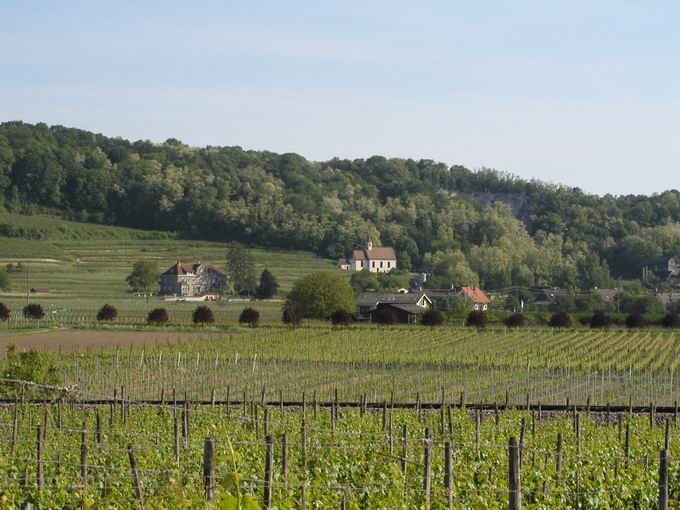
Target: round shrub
249	316
34	311
292	314
203	315
516	320
319	295
385	316
4	313
107	313
476	319
560	320
432	317
636	321
671	321
342	318
599	319
158	316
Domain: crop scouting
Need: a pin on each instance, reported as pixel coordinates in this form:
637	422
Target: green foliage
432	317
292	314
241	269
600	319
560	320
341	318
29	366
4	280
476	319
321	294
671	321
640	304
249	316
107	313
144	276
268	285
158	316
636	320
389	282
4	312
516	320
203	315
33	311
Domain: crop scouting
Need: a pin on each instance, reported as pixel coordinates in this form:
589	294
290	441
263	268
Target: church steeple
369	244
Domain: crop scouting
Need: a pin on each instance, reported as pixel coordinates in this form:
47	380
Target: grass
84	266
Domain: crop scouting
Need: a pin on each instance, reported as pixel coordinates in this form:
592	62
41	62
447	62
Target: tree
292	314
158	316
4	313
268	285
671	321
249	316
341	318
107	313
636	321
241	269
432	317
516	320
4	280
364	280
144	276
476	319
321	294
560	320
203	315
385	316
33	311
600	319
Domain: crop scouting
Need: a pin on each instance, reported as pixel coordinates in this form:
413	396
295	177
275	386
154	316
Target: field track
82	340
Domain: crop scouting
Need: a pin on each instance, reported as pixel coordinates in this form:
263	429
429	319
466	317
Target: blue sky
577	92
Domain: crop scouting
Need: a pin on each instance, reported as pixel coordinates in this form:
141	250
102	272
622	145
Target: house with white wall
377	259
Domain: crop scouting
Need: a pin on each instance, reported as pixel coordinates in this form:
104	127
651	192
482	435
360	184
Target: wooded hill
483	227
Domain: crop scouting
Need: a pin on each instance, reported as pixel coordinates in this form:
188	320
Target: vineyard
363	417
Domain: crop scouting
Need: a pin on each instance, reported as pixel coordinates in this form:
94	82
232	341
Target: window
388	264
381	264
373	262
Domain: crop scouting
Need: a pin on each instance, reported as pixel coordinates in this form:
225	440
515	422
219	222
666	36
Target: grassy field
84	266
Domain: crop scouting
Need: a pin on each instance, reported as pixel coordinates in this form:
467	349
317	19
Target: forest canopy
480	227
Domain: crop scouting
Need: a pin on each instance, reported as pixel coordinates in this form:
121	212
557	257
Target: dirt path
78	339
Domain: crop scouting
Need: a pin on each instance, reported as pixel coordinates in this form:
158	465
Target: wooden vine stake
664	462
269	472
427	468
448	473
209	468
136	477
514	479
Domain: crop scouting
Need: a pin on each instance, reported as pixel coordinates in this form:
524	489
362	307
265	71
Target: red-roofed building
380	259
476	297
192	279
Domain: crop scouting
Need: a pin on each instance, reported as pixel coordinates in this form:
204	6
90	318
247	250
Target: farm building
406	306
375	259
192	279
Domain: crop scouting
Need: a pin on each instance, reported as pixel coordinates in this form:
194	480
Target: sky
583	93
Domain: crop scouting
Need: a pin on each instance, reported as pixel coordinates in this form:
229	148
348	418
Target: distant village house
475	297
376	259
665	268
406	306
192	279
